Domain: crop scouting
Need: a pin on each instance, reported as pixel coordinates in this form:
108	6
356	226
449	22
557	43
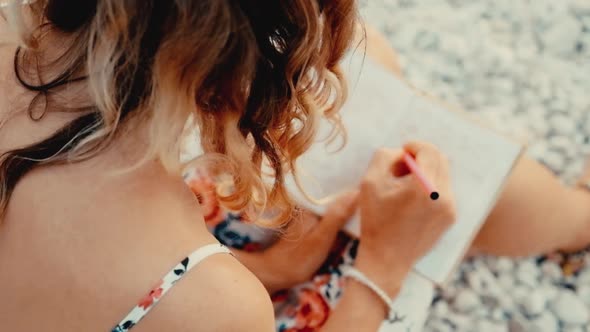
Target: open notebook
384	111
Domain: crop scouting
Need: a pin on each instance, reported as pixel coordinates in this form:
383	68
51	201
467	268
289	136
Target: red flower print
205	191
321	280
312	311
153	295
280	296
252	246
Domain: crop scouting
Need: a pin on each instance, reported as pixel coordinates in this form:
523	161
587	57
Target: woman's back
82	243
94	104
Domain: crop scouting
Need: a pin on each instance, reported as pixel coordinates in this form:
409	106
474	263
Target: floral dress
305	307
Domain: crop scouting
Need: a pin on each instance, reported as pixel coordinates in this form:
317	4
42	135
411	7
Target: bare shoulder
218	295
109	240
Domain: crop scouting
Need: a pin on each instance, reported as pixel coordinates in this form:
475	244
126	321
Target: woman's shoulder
109	239
218	295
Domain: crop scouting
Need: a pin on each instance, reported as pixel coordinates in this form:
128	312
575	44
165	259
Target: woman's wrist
389	275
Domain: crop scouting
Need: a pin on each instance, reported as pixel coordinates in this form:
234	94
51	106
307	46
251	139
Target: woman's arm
306	243
360	309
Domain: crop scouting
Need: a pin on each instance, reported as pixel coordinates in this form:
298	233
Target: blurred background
524	67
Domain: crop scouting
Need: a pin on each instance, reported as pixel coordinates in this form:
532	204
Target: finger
342	208
381	166
431	161
337	214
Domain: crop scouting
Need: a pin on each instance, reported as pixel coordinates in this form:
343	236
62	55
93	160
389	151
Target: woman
94	104
95	101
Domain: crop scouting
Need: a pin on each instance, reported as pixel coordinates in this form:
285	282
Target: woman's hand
301	250
399	221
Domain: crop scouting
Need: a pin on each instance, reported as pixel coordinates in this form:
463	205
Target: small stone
487	326
498	314
570	309
562	143
561	37
489	282
503	264
550	291
562	124
490	301
426	40
519	293
466	301
441	309
553	160
546	322
551	271
534	304
438	326
527	278
539	125
583	292
506	281
584	276
462	322
573	329
449	292
517	325
580	6
475	281
538	150
529	266
481	312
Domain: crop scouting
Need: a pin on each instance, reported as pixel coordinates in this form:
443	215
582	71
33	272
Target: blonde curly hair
254	76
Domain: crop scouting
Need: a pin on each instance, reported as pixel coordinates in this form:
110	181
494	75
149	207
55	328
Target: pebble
517	325
466	301
570	309
498	314
584	276
573	329
441	308
527	278
546	322
521	66
562	143
506	281
519	293
561	38
538	150
487	326
551	271
550	291
535	303
437	326
462	322
554	160
475	281
503	264
583	292
562	124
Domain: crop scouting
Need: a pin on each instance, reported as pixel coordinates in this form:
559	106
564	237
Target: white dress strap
153	297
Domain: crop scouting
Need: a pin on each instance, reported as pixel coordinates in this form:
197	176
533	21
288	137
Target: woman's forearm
360	309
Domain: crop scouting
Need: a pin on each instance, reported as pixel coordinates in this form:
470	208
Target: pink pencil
426	184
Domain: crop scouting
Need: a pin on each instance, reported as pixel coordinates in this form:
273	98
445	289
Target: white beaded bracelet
353	273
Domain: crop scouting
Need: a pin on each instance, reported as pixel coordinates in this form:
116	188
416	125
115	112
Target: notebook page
383	111
480	160
368	116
